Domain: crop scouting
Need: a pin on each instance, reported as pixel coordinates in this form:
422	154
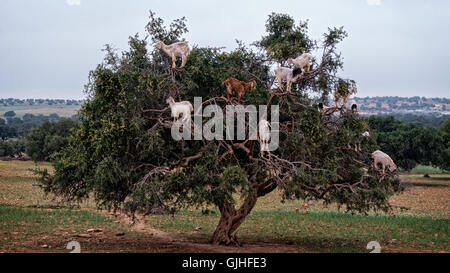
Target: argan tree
123	152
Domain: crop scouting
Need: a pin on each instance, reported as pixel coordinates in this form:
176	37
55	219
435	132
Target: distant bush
421	169
9	114
409	144
16	127
427	120
12	147
48	138
6	131
6	149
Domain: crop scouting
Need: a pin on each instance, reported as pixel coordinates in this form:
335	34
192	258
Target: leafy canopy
48	138
123	153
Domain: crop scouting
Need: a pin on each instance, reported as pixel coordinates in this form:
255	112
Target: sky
394	48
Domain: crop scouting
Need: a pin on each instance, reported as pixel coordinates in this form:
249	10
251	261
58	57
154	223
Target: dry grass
426	197
29	219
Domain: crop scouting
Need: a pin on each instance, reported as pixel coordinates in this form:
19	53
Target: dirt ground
29	233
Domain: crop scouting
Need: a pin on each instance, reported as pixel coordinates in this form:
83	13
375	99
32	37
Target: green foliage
343	88
421	169
16	127
328	171
9	114
445	157
123	152
409	144
285	39
12	147
6	148
159	32
422	120
48	138
7	131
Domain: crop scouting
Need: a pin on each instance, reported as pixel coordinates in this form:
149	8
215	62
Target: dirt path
204	247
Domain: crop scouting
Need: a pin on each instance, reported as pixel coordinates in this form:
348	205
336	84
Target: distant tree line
19	102
12	147
14	127
396	99
409	139
38	136
393	104
48	139
410	144
421	120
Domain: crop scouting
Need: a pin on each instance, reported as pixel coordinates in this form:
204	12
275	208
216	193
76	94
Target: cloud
373	2
73	2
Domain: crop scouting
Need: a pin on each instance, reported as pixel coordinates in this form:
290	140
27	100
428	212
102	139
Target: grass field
420	169
61	110
33	222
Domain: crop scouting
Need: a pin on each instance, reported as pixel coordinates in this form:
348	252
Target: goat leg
229	93
183	61
174	59
288	86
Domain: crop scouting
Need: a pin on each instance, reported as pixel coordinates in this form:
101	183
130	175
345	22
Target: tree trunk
230	220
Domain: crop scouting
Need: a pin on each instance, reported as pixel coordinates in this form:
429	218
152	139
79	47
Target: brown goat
239	87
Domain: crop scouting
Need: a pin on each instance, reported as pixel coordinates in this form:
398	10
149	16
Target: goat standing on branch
288	75
301	62
264	135
182	107
239	87
178	49
386	161
339	98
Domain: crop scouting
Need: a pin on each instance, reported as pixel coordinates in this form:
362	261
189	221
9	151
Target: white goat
384	160
264	135
178	49
288	75
182	107
302	62
366	134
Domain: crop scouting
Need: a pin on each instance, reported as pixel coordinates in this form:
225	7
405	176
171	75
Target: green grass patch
28	228
421	169
29	219
319	231
36	221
